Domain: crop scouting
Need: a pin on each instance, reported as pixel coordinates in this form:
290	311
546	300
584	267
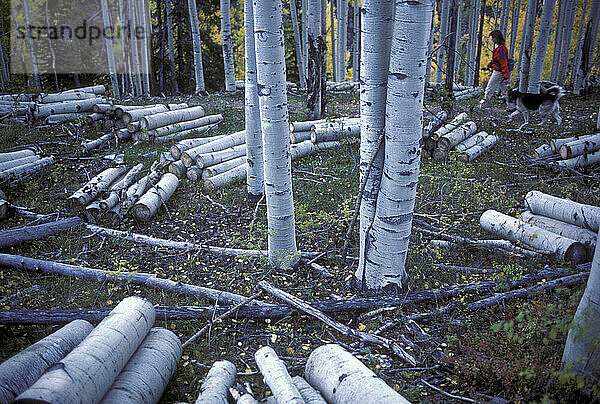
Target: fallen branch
344	329
139	278
452	396
20	235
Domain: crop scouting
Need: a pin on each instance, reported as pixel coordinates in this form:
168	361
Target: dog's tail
556	91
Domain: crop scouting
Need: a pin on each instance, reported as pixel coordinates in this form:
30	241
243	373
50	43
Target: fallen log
66	107
180	135
210	159
215	388
60	316
472	153
20	235
22	370
454	137
450	126
556	144
178	169
579	214
242	395
88	371
331	131
64	96
545	286
183	145
579	147
194	173
118	190
4	206
89	191
297	137
146	375
341	378
18	162
435	123
222	167
158	195
4	157
341	328
224	179
21	173
134	115
87	146
586	237
138	278
544	150
577	162
189	157
308	393
167	118
516	230
277	377
471	141
186	125
304	126
60	118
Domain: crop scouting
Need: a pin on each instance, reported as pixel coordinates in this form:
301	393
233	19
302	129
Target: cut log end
576	253
141	212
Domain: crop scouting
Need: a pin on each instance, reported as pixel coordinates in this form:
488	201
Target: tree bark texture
586	216
197	47
539	55
316	61
20	235
215	387
276	376
527	38
308	393
227	46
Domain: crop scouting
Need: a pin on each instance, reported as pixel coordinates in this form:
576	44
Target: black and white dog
546	102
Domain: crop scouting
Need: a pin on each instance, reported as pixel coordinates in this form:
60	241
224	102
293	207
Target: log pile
331	375
116	192
241	84
459	134
552	225
322	130
459	91
122	359
569	153
19	166
342	87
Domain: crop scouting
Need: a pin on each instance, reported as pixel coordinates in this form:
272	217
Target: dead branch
20	235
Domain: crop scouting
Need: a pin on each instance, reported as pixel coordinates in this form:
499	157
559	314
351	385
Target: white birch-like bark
167	118
454	137
526	45
514	27
328	131
143	43
308	393
158	195
88	371
66	107
582	349
535	237
254	143
341	378
342	9
110	54
441	53
579	147
356	42
558	38
586	237
430	47
270	61
22	370
19	173
297	137
64	96
297	41
543	151
470	62
316	59
386	255
332	21
135	115
304	21
135	44
579	214
541	43
32	54
220	168
147	373
93	188
227	46
197	47
226	142
457	41
6	165
178	168
376	38
578	45
226	178
215	388
450	126
504	16
170	47
473	152
276	376
68	117
186	125
471	141
556	144
567	39
210	159
187	144
127	76
194	174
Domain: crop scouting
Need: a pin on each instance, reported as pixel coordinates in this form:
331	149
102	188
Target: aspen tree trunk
457	42
142	21
539	56
558	39
215	388
227	46
197	47
341	378
594	27
376	36
332	20
481	20
276	376
137	73
356	42
297	41
567	38
514	23
159	119
23	369
270	61
430	47
389	235
504	16
528	32
171	50
472	44
451	48
147	373
442	43
110	54
254	143
32	54
342	38
582	349
304	20
126	82
88	371
577	58
316	67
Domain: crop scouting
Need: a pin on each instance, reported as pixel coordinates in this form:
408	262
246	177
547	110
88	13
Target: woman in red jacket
499	67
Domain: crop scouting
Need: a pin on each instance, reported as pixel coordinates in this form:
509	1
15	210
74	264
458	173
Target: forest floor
511	351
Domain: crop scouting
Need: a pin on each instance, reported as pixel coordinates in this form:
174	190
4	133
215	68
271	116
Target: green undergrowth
512	351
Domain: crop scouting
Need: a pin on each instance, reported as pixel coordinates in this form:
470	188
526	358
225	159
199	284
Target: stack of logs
551	225
459	91
459	134
21	165
342	87
570	153
17	107
220	160
117	191
123	360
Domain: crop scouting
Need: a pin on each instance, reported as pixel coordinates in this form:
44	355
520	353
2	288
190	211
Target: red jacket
500	60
